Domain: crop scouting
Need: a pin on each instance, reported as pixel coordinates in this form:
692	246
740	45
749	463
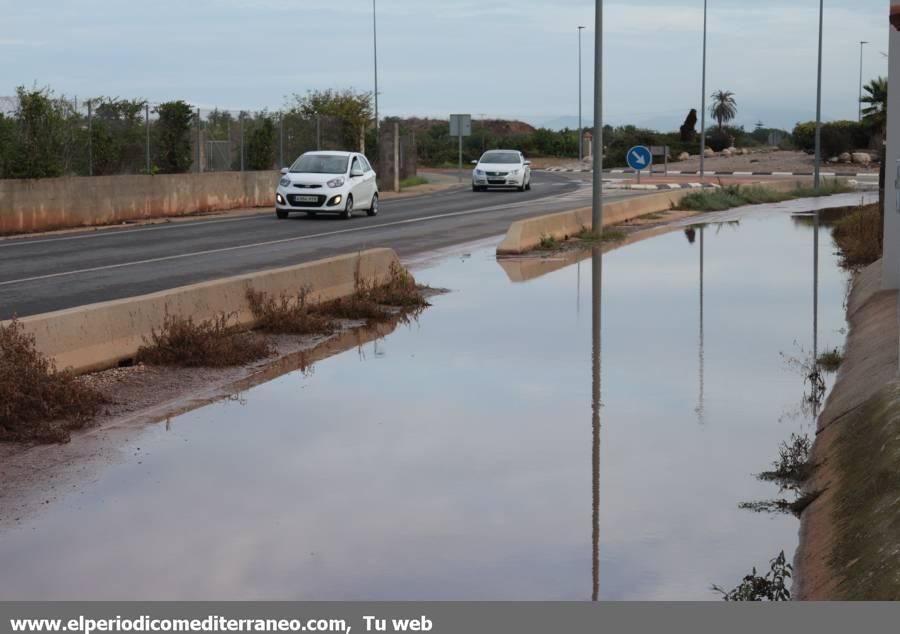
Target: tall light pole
580	128
703	99
818	171
859	104
597	200
375	44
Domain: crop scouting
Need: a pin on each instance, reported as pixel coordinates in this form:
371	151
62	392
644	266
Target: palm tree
724	107
875	112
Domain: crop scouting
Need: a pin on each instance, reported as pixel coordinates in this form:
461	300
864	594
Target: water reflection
596	404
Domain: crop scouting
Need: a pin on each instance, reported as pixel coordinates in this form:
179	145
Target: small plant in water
793	468
773	586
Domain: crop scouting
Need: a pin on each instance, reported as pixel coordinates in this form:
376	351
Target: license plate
306	199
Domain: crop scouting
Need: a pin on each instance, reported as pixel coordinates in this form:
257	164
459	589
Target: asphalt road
42	274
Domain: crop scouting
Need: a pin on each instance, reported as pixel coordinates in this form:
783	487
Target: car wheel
348	210
373	210
528	185
281	214
521	187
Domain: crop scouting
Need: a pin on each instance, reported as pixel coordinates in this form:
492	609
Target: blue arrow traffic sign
640	158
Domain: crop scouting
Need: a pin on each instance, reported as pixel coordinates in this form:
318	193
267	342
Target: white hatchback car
501	168
327	182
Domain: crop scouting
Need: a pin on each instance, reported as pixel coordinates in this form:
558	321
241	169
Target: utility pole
580	127
375	43
597	202
818	171
703	98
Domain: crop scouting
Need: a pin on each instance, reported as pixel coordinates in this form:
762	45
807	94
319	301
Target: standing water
460	457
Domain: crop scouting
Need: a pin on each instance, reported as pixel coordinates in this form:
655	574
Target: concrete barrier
100	336
525	235
78	201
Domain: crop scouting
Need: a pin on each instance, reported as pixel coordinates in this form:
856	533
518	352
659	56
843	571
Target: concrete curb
587	170
525	235
100	336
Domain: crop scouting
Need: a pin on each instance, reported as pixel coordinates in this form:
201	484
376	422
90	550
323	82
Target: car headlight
335	182
515	172
285	182
479	172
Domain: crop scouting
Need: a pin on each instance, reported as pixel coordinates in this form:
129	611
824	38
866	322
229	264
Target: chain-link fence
45	136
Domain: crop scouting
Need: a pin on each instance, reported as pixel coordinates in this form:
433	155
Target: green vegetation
838	137
723	108
34	137
39	404
354	111
831	361
261	142
209	344
548	243
723	198
875	100
413	181
860	236
771	587
173	137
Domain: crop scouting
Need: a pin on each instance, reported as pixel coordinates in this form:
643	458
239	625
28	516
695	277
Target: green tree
38	143
875	100
353	109
724	107
261	143
173	137
117	136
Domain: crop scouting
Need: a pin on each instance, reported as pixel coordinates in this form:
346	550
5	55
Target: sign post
663	151
640	158
460	126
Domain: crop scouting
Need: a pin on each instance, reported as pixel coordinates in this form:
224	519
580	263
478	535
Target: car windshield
501	158
320	164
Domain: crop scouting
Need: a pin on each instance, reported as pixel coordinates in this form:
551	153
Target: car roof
500	150
331	153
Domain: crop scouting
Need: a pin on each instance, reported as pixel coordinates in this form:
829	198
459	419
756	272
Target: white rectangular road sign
460	125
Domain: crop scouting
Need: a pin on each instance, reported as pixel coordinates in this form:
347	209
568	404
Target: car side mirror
527	162
285	171
474	162
356	173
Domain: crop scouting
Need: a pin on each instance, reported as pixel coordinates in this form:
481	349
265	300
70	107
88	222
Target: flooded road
460	458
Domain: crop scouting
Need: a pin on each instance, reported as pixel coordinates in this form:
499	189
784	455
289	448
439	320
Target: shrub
210	344
37	147
287	315
39	403
838	137
719	140
860	236
261	143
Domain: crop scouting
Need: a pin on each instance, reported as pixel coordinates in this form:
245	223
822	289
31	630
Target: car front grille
299	186
492	174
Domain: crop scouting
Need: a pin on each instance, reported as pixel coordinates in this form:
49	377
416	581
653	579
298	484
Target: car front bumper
291	199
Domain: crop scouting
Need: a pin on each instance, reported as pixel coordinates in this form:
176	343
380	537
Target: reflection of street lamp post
700	398
596	303
580	128
859	104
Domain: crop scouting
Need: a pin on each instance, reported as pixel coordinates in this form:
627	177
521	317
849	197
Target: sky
503	58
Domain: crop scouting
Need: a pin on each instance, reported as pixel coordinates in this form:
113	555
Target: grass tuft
413	181
739	195
831	361
208	344
372	303
548	243
39	403
860	236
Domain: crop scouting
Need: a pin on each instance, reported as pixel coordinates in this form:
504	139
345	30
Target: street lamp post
597	198
818	171
375	44
580	127
859	104
703	100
